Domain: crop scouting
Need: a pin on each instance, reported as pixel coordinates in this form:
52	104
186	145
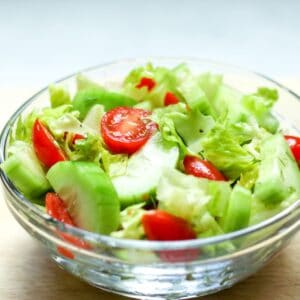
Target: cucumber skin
144	170
279	176
86	98
239	209
88	194
24	171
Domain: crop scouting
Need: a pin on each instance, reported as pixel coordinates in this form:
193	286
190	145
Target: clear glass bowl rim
43	218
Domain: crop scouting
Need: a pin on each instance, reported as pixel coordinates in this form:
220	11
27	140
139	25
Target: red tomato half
56	208
125	129
45	146
147	82
294	143
162	226
201	168
170	99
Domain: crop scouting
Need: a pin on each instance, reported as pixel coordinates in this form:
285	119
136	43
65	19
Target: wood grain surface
27	273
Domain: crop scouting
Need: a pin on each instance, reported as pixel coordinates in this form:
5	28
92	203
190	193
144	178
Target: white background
41	41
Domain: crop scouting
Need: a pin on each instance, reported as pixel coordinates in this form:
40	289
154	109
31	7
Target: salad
168	155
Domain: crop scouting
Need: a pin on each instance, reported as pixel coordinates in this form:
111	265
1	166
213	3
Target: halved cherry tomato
56	208
77	136
147	82
201	168
162	226
294	143
125	129
170	99
45	146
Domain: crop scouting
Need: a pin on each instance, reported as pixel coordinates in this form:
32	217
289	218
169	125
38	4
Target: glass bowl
140	269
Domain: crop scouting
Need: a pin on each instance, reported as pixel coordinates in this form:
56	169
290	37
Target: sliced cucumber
239	209
86	98
144	170
88	194
279	176
26	173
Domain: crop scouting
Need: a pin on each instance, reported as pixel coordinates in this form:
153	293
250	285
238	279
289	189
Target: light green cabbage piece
22	131
196	200
184	127
259	105
114	164
93	118
167	80
88	149
131	224
59	95
67	123
224	147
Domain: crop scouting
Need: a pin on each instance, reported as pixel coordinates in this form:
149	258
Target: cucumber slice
144	170
25	172
279	176
88	194
86	98
239	209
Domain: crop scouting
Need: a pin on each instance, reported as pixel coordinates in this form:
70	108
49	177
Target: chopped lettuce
259	105
87	149
195	96
192	127
249	177
186	127
166	80
114	164
131	225
93	118
22	131
196	200
224	147
59	95
210	84
182	195
84	82
67	123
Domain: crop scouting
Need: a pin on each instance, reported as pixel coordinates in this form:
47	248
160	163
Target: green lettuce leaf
210	84
59	95
67	123
224	147
195	96
114	164
131	225
87	149
196	200
183	126
166	80
259	105
22	131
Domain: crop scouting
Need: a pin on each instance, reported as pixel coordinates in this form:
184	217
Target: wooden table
27	273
